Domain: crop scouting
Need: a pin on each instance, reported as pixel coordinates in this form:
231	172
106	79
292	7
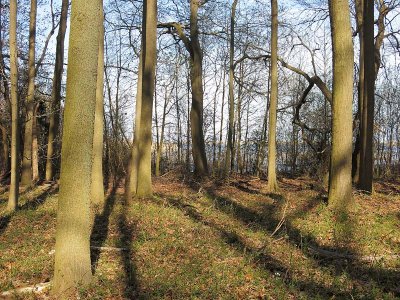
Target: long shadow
30	204
4	220
34	203
100	229
267	262
127	228
386	280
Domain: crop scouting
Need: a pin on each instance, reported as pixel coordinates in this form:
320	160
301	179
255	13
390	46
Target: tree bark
149	52
196	78
367	115
14	185
72	259
272	181
229	148
26	174
340	181
97	187
56	95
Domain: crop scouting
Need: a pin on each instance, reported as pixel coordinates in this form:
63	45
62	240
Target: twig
281	221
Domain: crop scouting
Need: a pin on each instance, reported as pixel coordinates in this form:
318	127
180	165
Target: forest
200	149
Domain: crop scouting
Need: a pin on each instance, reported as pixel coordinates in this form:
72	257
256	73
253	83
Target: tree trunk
131	180
222	120
272	181
161	143
196	78
367	115
26	174
356	153
72	259
340	181
229	148
149	52
97	187
56	95
14	186
35	146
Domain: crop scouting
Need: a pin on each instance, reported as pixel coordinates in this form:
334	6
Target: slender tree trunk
261	151
72	259
367	116
340	181
26	174
229	148
196	78
272	181
161	143
178	115
356	153
239	123
14	186
56	95
131	180
222	120
35	146
188	124
6	94
149	53
97	187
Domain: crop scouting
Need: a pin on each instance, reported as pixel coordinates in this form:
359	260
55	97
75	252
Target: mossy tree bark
14	185
56	95
229	148
340	181
149	52
26	175
97	186
367	115
272	181
72	259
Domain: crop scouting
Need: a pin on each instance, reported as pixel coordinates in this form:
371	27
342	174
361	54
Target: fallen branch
337	255
281	221
37	288
109	248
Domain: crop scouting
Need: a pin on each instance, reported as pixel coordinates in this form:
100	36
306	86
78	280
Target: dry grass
218	241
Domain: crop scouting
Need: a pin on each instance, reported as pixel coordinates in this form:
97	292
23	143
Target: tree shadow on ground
274	266
31	203
37	200
267	219
100	229
387	280
127	229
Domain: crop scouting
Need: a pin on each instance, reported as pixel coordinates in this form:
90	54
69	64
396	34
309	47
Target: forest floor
217	241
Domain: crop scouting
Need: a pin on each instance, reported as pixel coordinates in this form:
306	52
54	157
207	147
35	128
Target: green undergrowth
228	241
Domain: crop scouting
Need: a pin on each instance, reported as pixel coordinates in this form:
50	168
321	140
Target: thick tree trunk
340	181
72	259
26	174
272	181
14	186
149	52
97	187
56	95
367	115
